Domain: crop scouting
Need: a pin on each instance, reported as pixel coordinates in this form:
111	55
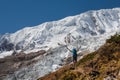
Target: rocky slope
10	64
103	64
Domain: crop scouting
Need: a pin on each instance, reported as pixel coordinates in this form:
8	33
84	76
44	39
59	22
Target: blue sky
17	14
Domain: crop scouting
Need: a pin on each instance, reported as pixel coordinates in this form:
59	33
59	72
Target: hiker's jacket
74	52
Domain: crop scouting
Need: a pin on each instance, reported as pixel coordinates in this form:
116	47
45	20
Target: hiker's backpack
74	52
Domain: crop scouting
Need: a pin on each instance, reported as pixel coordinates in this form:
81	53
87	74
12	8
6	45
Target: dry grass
95	66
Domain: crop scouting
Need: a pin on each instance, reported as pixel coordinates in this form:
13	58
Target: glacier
86	31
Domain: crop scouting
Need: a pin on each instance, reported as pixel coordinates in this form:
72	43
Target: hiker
74	56
74	53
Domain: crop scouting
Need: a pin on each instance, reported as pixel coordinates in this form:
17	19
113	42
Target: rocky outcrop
10	64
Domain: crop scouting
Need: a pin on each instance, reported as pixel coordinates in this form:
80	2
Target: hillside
103	64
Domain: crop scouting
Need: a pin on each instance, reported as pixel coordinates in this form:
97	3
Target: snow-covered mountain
49	34
86	31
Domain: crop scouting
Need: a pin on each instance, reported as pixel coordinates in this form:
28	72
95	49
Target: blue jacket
74	52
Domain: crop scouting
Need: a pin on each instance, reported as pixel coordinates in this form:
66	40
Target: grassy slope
95	66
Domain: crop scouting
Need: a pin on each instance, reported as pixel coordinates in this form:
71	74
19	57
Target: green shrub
114	39
86	58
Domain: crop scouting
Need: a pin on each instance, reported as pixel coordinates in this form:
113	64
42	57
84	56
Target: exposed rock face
10	64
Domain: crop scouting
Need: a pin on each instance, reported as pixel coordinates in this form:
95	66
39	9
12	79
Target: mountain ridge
90	23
